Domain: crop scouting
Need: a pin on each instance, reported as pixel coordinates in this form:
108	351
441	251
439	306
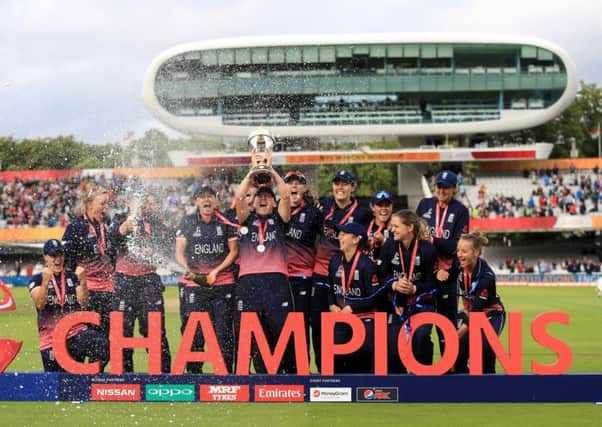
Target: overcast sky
76	67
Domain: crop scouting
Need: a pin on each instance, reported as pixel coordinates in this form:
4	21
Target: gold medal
105	259
261	248
244	230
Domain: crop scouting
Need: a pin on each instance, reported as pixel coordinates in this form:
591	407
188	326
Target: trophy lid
261	136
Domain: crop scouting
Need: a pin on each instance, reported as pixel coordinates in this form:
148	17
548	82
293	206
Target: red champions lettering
213	354
279	393
251	327
116	392
224	392
479	329
152	343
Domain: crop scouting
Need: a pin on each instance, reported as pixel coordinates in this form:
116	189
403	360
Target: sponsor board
115	392
279	393
376	394
224	392
330	394
169	392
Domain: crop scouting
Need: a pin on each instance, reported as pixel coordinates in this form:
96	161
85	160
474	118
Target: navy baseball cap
446	179
298	175
353	228
382	196
53	247
203	191
344	176
265	189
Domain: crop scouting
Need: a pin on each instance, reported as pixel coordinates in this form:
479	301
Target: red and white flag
595	132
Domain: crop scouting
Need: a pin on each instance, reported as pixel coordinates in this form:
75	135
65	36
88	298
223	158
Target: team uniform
445	225
263	285
206	248
303	230
355	283
395	262
137	288
87	245
82	341
328	246
479	294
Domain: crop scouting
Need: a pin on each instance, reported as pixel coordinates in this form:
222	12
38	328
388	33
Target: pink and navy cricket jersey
452	223
50	315
478	290
206	246
332	215
84	245
147	231
273	259
362	289
392	268
303	229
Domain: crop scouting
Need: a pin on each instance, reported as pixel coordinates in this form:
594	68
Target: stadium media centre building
413	87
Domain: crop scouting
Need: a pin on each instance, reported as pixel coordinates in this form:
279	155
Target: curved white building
390	84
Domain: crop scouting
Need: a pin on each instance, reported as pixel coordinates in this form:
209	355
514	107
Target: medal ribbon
296	211
439	228
101	241
261	229
409	274
224	220
347	215
380	229
60	290
467	279
347	283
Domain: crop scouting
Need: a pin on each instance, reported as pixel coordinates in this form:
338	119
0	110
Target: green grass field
583	335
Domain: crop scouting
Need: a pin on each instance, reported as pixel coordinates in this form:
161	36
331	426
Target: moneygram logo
224	393
115	392
169	392
376	394
279	393
330	394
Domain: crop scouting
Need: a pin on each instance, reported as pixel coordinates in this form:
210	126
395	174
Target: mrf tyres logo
169	392
376	394
330	394
279	393
224	393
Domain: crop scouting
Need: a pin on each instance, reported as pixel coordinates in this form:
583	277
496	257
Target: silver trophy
262	142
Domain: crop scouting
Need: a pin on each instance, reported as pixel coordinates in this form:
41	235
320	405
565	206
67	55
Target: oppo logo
169	392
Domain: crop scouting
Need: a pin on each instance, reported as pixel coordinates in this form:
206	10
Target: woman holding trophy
263	285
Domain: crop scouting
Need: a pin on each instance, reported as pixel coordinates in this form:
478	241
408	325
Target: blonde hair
477	239
88	195
409	217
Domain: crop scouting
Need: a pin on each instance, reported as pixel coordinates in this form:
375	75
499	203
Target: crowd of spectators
51	202
553	194
569	265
